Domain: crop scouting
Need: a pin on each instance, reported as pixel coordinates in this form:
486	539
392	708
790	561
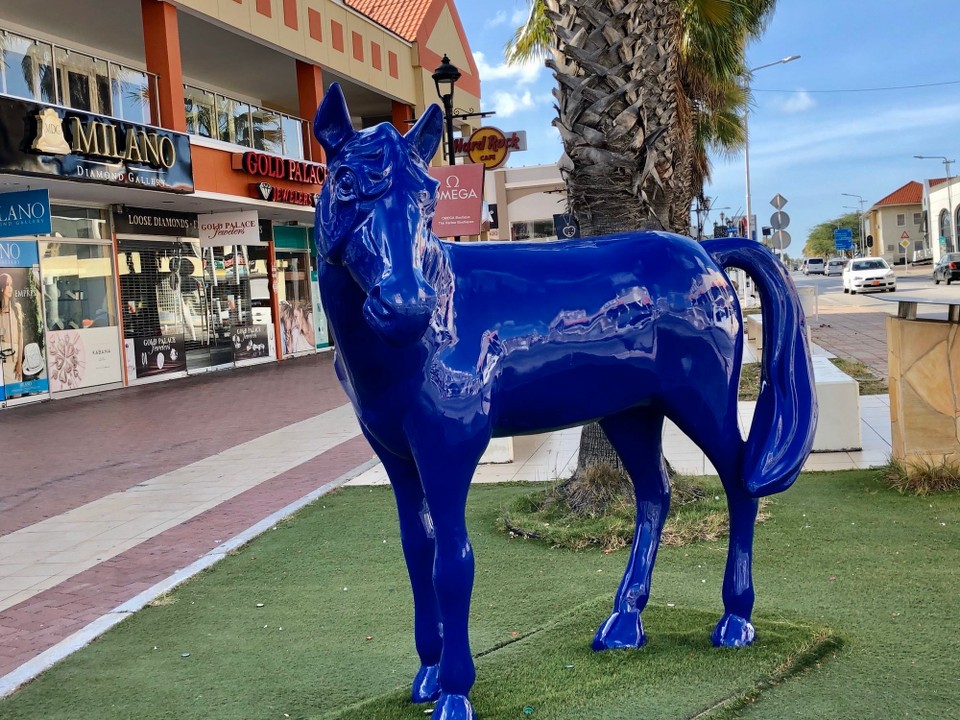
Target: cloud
524	73
499	19
519	17
506	103
797	102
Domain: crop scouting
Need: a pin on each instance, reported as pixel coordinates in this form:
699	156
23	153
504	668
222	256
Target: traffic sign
778	201
904	244
779	220
843	238
904	235
780	240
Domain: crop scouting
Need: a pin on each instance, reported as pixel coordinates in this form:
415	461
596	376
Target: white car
868	274
835	267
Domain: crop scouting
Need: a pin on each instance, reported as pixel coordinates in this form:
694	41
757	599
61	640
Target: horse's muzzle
397	318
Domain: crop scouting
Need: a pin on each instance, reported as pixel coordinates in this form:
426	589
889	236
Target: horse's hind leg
724	448
416	537
636	436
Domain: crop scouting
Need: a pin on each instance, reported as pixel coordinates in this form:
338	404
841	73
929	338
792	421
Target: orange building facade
173	142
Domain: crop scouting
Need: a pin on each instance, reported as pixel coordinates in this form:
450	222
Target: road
854	326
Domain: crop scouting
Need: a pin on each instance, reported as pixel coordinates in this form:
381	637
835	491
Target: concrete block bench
838	396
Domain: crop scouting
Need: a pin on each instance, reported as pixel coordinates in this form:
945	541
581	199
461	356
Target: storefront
302	322
58	309
190	301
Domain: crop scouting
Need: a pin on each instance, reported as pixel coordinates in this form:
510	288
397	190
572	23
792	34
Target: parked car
868	274
948	269
835	266
813	266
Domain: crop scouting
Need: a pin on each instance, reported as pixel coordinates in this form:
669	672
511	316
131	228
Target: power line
874	89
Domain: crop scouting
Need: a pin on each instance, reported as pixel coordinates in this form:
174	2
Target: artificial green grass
555	673
840	550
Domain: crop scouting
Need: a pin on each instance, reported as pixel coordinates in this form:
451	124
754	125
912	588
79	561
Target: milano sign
37	139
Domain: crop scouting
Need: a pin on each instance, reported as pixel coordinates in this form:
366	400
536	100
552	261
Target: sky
819	126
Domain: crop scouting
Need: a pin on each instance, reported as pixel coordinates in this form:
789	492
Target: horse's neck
435	265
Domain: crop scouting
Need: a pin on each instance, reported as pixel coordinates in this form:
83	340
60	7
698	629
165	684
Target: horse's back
569	331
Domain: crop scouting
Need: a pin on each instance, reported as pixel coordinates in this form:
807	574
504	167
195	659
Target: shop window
200	114
292	137
297	331
945	234
131	94
26	68
83	82
233	121
78	291
533	230
267	131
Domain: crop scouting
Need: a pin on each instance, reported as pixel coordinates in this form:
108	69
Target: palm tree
645	88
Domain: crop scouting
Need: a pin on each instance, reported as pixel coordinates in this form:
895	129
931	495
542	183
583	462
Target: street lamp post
746	134
953	228
445	77
860	214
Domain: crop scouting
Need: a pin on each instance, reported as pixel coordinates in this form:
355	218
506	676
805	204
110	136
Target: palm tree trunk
616	65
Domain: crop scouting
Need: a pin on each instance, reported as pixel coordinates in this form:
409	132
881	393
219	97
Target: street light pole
746	133
953	224
862	202
445	77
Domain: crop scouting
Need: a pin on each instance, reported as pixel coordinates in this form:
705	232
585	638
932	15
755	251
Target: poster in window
83	358
161	355
22	340
250	342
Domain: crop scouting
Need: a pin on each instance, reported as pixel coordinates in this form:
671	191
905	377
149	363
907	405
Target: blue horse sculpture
442	346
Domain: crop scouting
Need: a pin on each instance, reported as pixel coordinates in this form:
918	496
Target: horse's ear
424	137
331	125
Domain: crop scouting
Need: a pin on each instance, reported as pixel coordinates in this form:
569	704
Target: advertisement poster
22	350
160	355
459	200
319	316
250	342
83	358
297	332
24	213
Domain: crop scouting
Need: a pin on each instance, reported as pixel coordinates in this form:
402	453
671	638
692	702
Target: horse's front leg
416	537
446	471
636	436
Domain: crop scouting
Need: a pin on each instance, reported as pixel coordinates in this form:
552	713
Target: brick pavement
115	440
855	333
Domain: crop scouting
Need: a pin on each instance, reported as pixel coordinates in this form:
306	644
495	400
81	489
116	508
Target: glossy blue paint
441	346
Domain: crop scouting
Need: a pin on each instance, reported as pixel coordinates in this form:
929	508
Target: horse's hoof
426	685
620	630
453	707
733	631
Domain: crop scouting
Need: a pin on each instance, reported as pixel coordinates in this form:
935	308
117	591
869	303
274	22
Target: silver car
835	266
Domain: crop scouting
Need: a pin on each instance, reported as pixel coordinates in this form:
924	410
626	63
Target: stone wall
924	366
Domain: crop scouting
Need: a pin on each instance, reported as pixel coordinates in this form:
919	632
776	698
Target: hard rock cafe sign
490	146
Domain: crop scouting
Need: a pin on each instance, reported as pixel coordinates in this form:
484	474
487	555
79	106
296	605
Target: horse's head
374	213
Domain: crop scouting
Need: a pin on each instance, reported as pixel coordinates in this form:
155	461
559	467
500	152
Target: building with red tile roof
896	218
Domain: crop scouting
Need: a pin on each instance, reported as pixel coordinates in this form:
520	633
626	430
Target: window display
187	307
79	301
22	357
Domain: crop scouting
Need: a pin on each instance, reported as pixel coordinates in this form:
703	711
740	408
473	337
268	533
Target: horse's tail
781	434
